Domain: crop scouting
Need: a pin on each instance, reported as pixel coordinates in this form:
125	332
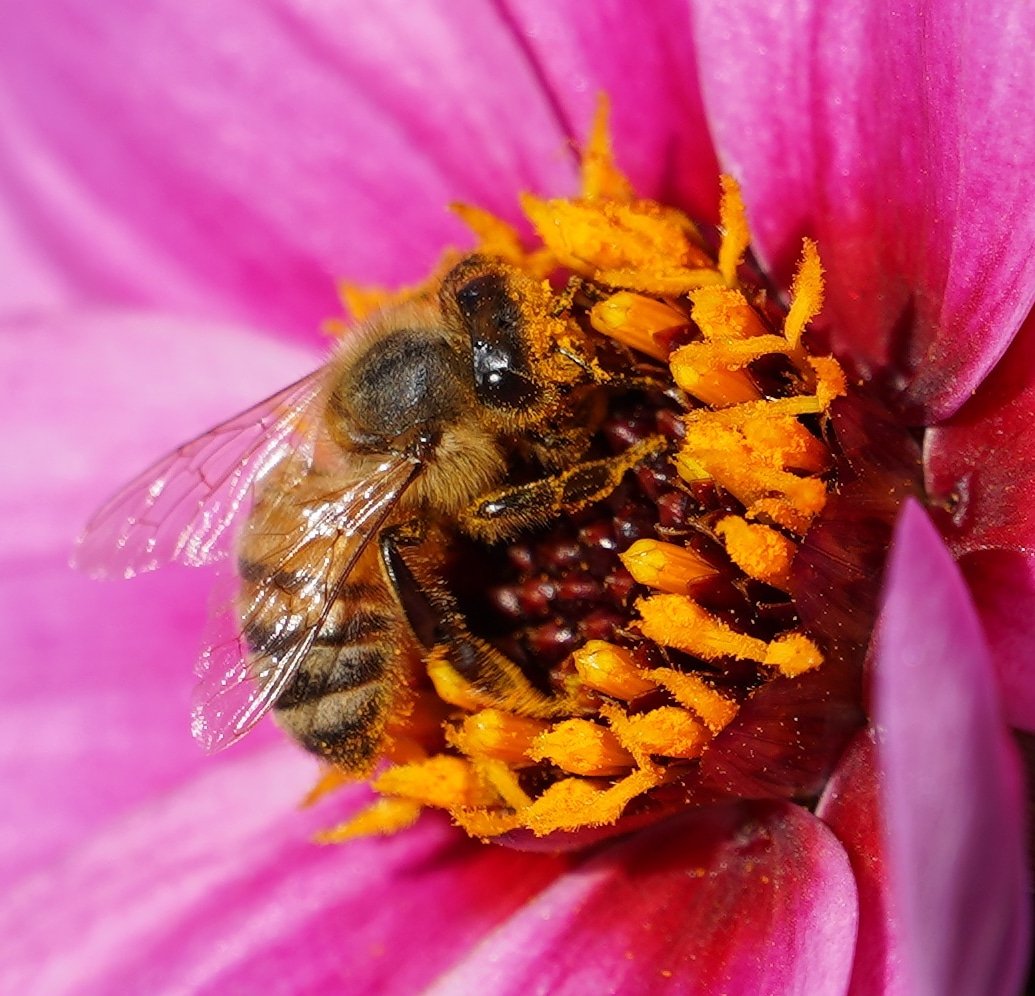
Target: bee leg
506	512
440	626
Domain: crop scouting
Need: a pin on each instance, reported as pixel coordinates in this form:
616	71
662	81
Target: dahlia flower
179	190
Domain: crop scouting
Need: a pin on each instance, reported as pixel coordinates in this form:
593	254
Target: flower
173	177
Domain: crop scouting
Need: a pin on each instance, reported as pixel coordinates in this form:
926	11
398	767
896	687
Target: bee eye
502	376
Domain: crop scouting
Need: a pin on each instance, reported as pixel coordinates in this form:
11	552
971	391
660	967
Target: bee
339	494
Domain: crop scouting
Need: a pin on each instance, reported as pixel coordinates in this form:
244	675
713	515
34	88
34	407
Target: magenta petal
953	794
96	678
234	160
216	889
239	156
753	898
642	56
902	136
1002	584
981	463
851	807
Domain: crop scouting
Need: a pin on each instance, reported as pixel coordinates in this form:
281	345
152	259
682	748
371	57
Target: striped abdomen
338	701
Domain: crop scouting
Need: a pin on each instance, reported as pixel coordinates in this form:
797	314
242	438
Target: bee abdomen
337	703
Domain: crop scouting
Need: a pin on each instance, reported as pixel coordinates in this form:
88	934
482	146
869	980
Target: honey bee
326	491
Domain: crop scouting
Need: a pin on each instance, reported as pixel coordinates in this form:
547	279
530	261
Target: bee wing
240	684
180	509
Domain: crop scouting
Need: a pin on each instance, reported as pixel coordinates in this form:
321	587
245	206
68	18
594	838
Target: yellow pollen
442	780
806	293
759	551
582	748
601	178
575	802
793	654
504	780
675	621
666	566
595	239
713	373
495	236
494	733
611	670
711	706
635	320
449	686
384	817
664	732
735	234
723	313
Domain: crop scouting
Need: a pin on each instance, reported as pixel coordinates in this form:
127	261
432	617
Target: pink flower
178	190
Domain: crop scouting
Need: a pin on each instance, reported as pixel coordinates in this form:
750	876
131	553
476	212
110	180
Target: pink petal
851	807
216	888
642	56
1002	584
903	138
980	464
234	160
953	797
755	898
97	677
979	467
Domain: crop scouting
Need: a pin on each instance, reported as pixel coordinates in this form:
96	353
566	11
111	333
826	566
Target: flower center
702	625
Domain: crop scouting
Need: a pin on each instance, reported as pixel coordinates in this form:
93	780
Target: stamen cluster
664	611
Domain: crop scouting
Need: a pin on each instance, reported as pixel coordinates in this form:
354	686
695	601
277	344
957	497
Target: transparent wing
181	508
256	644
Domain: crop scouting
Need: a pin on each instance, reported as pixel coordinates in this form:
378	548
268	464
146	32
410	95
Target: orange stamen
666	566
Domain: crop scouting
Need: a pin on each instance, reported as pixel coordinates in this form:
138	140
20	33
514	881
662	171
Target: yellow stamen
442	781
591	239
793	654
331	779
675	621
723	313
711	706
505	781
495	236
601	178
665	732
450	686
666	566
383	817
494	733
670	283
806	293
611	670
582	748
759	551
830	380
574	802
712	372
635	320
735	235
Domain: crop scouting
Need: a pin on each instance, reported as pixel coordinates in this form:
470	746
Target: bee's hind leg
490	677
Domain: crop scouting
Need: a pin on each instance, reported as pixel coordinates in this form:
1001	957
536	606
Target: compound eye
499	355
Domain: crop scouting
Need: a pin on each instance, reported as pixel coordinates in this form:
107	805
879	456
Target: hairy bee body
408	436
